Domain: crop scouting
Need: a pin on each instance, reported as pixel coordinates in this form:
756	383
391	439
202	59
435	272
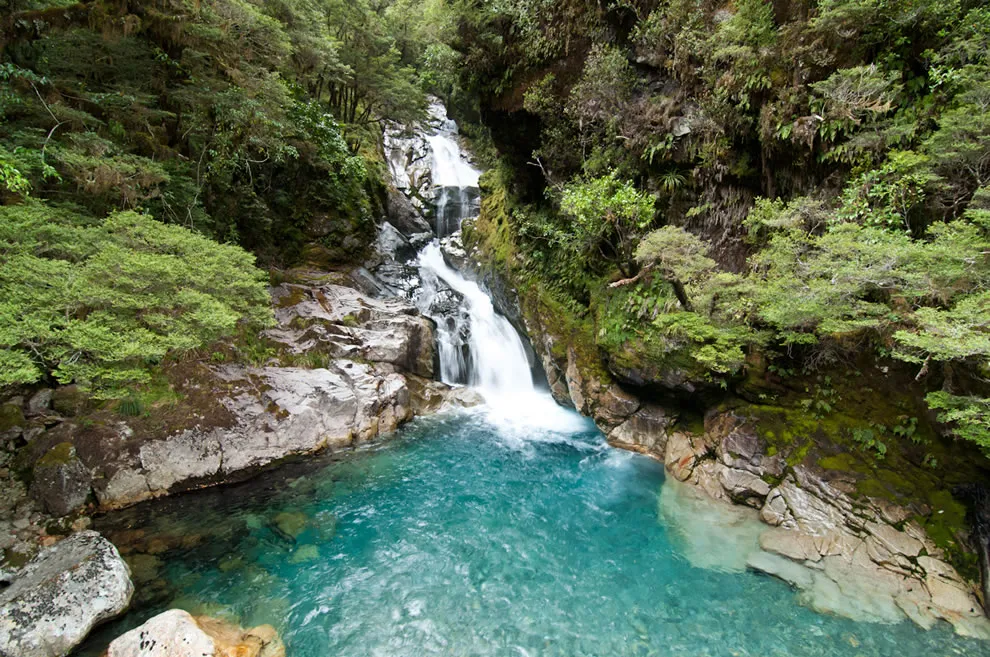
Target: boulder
402	214
61	594
40	402
68	400
643	431
61	482
176	633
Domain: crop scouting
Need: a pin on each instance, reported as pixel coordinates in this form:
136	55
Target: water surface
464	536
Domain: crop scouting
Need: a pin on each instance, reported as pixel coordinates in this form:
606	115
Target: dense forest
145	148
717	189
706	190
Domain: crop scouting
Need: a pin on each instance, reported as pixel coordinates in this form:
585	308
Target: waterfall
498	357
476	345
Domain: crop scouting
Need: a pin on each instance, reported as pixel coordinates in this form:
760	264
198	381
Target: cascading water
476	345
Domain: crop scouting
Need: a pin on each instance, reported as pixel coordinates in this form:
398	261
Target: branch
628	281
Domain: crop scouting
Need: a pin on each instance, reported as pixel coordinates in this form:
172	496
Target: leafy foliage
96	301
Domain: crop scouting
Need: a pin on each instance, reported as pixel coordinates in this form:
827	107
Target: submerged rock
56	599
176	633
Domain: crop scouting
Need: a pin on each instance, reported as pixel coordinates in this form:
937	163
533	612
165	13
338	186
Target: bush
96	301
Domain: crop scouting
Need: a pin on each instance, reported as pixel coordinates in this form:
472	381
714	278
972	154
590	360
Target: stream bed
470	535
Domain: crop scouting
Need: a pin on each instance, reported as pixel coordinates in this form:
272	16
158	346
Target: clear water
468	536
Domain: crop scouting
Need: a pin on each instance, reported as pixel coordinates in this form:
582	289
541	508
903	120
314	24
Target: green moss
295	296
350	321
844	462
11	416
60	454
798	455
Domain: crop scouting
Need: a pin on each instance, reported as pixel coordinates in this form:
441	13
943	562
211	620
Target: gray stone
40	402
57	598
61	482
403	214
644	431
743	486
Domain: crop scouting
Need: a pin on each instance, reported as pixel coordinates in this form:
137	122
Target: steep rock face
57	598
176	633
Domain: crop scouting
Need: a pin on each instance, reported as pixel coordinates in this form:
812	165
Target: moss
798	455
350	321
843	462
11	416
295	296
60	454
945	524
14	560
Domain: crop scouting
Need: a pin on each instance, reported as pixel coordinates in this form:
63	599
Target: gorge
515	327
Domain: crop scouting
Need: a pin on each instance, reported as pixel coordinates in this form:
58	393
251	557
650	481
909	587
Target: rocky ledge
342	368
857	556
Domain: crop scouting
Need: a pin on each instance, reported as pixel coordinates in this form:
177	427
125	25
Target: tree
97	301
679	257
607	214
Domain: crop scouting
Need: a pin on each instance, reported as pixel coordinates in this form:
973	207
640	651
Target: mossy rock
69	400
11	416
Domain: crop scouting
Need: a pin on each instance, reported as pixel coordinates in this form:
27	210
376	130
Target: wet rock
176	633
404	216
393	245
290	523
305	554
61	482
453	251
57	598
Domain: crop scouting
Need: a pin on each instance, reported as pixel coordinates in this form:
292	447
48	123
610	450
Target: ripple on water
470	536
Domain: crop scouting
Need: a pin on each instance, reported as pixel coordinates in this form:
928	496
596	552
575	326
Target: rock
744	487
57	598
393	245
681	456
278	412
176	633
793	573
305	554
68	400
791	544
61	482
404	216
345	323
41	402
291	523
453	251
643	431
11	417
612	406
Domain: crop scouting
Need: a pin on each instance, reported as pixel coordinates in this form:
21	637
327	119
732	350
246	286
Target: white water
476	346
